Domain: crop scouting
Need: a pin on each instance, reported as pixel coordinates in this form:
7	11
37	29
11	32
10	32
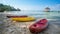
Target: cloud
57	7
28	7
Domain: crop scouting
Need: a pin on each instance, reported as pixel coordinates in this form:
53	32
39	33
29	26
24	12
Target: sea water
38	14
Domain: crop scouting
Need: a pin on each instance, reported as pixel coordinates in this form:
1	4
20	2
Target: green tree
1	8
7	8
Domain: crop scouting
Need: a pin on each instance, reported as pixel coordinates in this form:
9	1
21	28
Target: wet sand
53	28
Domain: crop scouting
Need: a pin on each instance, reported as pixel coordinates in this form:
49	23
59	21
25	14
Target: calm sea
38	14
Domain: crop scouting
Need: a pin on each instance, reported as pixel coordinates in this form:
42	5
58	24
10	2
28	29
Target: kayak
39	26
23	19
17	16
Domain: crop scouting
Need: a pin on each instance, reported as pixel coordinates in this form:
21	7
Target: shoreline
53	27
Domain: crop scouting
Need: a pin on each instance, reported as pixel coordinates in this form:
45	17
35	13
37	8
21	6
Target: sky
33	4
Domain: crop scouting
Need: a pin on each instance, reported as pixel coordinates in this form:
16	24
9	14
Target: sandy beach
6	27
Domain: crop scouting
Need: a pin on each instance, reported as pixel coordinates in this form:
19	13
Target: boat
16	16
23	19
39	26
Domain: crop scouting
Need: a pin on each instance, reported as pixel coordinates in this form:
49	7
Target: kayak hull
16	16
38	27
23	19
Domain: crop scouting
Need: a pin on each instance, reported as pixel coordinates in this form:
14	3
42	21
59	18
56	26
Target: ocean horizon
37	14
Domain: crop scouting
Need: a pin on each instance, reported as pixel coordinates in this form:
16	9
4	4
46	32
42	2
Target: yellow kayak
23	19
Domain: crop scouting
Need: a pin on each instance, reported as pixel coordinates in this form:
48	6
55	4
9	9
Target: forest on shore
7	8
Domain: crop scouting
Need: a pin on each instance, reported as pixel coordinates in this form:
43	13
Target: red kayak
38	26
16	16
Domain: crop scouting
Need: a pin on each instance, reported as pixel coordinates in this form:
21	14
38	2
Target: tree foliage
7	8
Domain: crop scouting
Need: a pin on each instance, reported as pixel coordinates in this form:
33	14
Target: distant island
7	8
